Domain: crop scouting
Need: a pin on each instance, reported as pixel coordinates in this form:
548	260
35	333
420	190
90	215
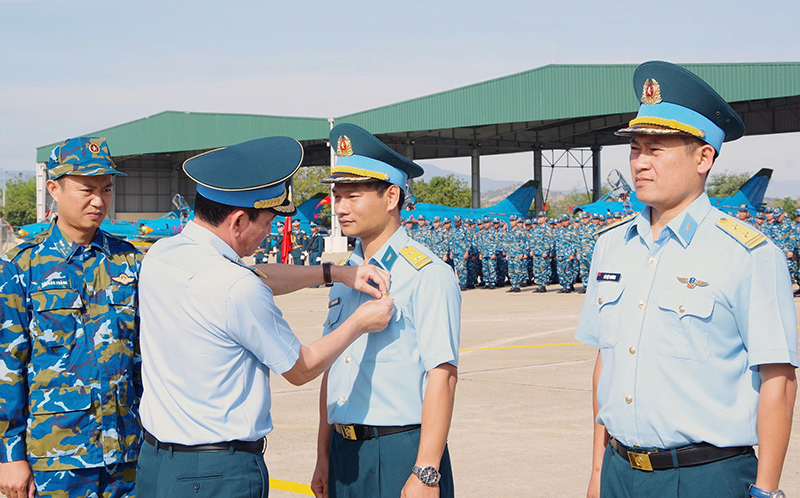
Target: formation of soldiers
777	224
492	253
305	248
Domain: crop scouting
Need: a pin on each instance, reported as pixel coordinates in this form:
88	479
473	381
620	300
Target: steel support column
476	178
410	156
537	175
596	172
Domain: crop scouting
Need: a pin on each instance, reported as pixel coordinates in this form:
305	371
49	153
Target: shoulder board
617	224
414	256
743	233
255	271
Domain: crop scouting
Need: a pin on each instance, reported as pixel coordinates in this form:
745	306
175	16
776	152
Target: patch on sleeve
417	259
744	234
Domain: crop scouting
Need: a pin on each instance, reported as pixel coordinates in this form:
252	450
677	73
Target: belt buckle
640	461
348	432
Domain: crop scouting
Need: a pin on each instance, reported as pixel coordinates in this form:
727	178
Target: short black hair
214	213
382	186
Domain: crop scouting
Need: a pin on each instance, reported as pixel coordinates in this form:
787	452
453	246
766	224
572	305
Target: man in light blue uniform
692	314
387	401
211	332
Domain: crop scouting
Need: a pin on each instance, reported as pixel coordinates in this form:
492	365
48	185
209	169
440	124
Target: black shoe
797	293
492	287
470	286
511	290
463	287
582	291
562	291
516	289
541	289
567	291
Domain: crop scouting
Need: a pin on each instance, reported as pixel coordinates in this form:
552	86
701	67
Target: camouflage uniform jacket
517	243
781	234
459	241
70	369
566	242
541	240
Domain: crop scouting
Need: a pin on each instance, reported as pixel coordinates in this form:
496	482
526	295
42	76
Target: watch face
428	475
778	494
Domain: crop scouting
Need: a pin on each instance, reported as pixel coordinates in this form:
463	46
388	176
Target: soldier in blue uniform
447	239
278	245
541	251
386	403
69	355
517	249
473	262
459	250
316	245
565	254
487	246
501	262
690	310
299	241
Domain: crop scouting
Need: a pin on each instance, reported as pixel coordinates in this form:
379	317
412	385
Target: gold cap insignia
651	93
344	148
123	279
94	148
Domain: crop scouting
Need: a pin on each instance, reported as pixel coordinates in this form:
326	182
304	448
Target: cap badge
344	148
692	282
94	148
651	93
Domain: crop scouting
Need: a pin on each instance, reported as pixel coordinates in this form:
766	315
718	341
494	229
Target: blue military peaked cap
584	214
769	209
436	218
542	213
457	217
761	216
778	211
564	217
446	220
743	208
253	174
362	157
676	101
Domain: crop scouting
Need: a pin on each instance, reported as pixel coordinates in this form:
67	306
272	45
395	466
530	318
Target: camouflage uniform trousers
502	269
473	269
118	481
461	268
489	267
529	268
517	270
566	271
585	264
541	271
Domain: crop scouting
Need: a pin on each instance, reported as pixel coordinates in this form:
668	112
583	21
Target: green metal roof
170	131
549	94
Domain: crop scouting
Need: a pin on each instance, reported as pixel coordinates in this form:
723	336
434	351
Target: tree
445	190
725	184
20	206
788	204
574	198
306	183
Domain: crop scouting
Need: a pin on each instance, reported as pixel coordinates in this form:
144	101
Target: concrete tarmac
522	424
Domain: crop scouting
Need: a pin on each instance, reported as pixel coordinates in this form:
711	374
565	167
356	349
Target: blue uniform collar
68	248
204	236
682	227
386	255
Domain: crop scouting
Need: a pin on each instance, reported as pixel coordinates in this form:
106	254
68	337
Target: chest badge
692	282
123	279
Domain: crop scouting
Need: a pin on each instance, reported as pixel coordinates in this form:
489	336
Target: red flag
325	201
286	243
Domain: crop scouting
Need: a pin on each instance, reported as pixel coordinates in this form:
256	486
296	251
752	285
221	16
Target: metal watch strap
428	476
326	274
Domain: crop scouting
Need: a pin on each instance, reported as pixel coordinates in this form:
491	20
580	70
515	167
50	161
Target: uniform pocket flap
682	303
56	299
608	293
121	295
60	400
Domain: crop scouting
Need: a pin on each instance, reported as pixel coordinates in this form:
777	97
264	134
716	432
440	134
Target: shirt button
629	399
632	350
652	261
681	308
641	304
600	300
343	399
347	359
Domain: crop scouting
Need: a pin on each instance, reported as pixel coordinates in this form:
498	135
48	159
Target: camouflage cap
82	156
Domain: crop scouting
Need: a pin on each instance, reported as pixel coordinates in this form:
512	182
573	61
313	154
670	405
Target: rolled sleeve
437	316
770	318
257	324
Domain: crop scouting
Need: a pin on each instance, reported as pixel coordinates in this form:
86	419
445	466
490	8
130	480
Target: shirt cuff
287	362
440	359
779	356
12	449
586	338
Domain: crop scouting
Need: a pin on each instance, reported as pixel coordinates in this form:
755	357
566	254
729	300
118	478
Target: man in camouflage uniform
487	246
473	263
587	241
459	250
565	254
501	263
69	353
422	233
447	236
517	248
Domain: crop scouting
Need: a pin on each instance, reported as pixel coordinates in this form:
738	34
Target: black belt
358	432
687	456
259	446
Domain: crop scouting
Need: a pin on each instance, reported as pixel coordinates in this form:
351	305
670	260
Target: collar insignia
123	279
344	148
651	93
692	282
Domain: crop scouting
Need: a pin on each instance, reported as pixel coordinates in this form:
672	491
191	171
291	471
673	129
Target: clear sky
72	67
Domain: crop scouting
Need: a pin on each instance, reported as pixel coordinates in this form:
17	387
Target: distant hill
487	184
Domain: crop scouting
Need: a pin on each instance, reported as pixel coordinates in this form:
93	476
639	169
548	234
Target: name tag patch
608	277
334	302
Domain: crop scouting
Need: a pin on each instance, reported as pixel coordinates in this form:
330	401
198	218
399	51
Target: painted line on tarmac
522	347
292	487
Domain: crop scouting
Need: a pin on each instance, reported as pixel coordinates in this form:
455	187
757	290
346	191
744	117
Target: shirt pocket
609	316
122	301
686	316
56	317
60	423
386	345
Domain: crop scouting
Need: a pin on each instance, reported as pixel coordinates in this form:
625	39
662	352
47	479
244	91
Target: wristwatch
757	492
326	274
427	475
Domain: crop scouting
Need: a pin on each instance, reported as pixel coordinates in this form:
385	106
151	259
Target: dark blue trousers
729	478
380	467
218	474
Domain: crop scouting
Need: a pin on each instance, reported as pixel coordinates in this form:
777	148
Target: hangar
555	107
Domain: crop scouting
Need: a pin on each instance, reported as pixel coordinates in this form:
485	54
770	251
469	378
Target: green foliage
788	204
725	184
445	190
574	198
306	183
20	199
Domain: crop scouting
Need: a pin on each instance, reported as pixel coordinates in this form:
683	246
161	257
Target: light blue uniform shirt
210	334
680	356
380	379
